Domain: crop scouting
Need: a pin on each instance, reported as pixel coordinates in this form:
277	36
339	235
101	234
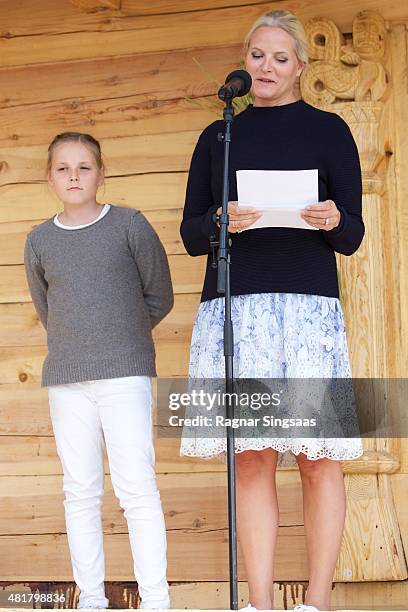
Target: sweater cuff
210	227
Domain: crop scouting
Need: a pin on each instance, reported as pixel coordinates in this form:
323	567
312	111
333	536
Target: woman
286	313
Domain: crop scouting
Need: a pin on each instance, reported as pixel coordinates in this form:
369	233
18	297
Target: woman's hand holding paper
323	215
240	217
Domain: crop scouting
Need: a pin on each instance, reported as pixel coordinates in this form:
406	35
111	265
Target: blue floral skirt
276	335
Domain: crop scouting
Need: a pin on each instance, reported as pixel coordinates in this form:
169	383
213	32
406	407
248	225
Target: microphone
237	84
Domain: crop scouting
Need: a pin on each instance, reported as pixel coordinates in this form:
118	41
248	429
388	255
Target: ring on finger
327	221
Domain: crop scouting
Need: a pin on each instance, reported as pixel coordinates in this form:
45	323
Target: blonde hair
86	139
287	22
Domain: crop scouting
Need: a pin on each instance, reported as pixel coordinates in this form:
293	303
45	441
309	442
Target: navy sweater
294	136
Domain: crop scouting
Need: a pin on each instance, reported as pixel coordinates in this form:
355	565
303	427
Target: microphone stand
223	287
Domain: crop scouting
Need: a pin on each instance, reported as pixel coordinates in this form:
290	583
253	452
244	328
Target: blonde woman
286	313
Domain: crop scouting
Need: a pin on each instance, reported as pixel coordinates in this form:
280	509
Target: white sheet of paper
280	194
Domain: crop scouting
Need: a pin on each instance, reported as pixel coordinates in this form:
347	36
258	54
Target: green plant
213	103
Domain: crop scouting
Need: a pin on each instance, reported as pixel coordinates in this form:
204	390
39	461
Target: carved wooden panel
348	75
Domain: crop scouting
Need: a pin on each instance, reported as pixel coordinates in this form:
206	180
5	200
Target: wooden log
192	555
20	326
184	563
47	17
13	236
22	364
117	118
187	274
198	501
158	77
24	410
347	597
344	596
134	7
175	31
89	5
123	156
208	517
36	455
177	326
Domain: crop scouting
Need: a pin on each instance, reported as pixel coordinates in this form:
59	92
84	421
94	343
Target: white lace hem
336	449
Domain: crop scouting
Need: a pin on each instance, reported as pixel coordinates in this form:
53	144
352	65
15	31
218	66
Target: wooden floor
378	596
183	610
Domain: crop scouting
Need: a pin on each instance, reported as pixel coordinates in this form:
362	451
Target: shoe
155	606
94	601
250	608
305	608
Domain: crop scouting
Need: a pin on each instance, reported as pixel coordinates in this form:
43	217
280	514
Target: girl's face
74	174
273	65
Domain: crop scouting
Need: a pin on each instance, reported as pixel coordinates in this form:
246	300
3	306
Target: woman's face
273	65
74	173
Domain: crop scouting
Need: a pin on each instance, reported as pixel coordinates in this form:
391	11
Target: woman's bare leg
258	521
324	509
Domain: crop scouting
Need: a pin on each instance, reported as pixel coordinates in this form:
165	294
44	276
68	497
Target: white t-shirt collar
103	212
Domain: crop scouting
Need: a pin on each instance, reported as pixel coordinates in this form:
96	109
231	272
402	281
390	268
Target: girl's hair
86	139
287	22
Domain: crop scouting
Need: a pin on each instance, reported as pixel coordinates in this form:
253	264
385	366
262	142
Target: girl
100	281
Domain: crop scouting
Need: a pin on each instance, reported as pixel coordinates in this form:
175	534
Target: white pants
118	410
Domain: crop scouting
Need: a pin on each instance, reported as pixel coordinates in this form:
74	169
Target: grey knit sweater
98	291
